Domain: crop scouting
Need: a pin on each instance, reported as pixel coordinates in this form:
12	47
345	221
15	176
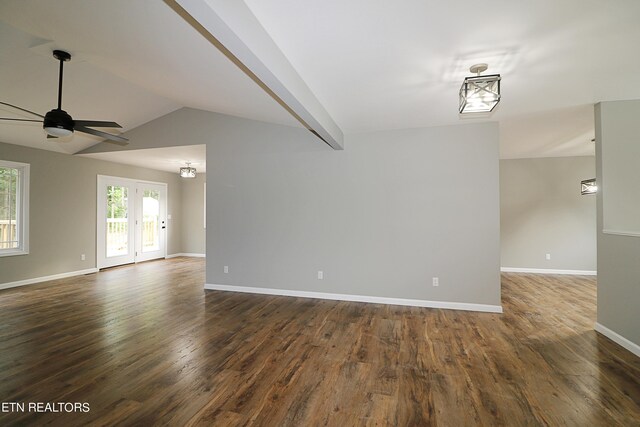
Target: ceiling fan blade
96	124
111	138
20	120
21	109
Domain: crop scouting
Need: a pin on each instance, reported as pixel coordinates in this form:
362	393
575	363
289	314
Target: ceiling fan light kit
479	94
57	123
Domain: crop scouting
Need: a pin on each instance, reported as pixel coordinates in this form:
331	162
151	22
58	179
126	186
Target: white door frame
132	184
101	231
162	226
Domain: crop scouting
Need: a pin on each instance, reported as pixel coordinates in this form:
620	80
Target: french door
151	221
132	217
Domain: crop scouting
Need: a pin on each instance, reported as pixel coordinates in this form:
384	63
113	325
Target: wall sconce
588	186
479	94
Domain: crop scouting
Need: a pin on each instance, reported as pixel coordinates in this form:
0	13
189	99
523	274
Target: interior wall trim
548	271
34	280
618	339
621	233
189	254
359	298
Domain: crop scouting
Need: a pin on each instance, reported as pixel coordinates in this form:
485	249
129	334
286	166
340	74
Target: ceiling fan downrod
63	57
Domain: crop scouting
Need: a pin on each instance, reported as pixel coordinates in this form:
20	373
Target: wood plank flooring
146	345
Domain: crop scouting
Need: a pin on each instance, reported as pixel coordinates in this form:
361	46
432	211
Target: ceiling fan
58	123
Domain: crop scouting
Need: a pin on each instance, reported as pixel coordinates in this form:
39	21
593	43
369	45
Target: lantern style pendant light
479	94
588	186
188	171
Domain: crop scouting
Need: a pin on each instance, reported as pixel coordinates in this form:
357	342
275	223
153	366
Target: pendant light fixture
588	186
188	171
479	94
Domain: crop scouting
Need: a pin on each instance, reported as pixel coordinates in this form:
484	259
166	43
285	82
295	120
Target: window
14	208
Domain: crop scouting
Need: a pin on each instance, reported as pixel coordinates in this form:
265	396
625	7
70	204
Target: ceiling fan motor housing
58	119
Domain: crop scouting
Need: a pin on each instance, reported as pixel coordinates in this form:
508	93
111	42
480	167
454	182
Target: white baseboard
548	271
621	233
47	278
618	339
359	298
194	255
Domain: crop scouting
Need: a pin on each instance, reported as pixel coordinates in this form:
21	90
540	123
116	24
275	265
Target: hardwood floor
147	345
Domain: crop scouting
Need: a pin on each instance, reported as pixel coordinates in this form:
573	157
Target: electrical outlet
320	275
548	257
226	269
83	257
436	281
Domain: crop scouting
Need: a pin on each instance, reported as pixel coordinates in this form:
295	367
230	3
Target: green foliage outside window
8	192
116	202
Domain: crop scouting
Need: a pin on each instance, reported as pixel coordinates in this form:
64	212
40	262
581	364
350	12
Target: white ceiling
30	80
373	65
399	64
132	61
168	159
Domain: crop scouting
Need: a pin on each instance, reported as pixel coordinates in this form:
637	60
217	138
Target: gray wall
380	218
62	211
542	212
193	231
620	165
618	256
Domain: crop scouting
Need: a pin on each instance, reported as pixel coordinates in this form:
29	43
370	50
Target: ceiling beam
232	28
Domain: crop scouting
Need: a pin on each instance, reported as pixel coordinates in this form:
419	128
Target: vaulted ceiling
132	61
372	65
399	64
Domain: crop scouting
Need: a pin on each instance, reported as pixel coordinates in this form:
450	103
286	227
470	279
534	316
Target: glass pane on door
117	221
150	220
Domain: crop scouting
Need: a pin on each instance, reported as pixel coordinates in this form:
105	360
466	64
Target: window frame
22	208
